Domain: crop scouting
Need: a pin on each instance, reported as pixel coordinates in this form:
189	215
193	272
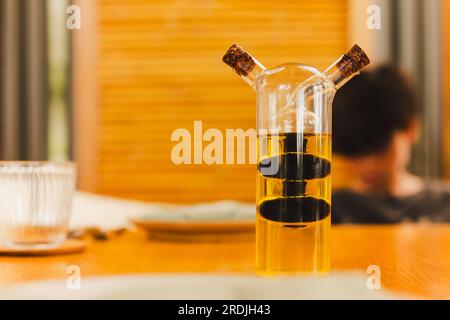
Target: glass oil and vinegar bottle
293	197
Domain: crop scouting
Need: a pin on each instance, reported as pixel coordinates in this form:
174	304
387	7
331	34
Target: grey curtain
23	76
416	44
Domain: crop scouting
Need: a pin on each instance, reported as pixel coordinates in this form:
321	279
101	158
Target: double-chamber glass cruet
293	195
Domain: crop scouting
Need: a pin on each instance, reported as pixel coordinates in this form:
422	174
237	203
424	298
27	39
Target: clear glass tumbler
35	202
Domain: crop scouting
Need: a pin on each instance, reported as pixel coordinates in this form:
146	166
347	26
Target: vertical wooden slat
35	81
446	89
86	88
10	86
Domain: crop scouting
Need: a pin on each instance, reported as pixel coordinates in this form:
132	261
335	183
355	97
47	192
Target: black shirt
430	204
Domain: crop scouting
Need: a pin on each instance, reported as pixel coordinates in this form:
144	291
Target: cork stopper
239	60
353	61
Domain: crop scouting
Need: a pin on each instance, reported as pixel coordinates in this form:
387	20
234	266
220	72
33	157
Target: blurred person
375	125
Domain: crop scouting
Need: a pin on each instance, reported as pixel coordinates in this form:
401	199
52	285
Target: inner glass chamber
294	104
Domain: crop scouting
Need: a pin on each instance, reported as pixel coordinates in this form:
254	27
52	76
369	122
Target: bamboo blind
160	68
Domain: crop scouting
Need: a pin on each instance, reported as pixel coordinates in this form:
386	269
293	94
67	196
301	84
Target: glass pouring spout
341	71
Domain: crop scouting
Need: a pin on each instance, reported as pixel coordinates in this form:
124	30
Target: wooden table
414	259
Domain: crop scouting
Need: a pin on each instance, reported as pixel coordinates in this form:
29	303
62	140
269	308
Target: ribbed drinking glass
35	202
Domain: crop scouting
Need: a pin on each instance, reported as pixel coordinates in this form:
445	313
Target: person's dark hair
370	108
